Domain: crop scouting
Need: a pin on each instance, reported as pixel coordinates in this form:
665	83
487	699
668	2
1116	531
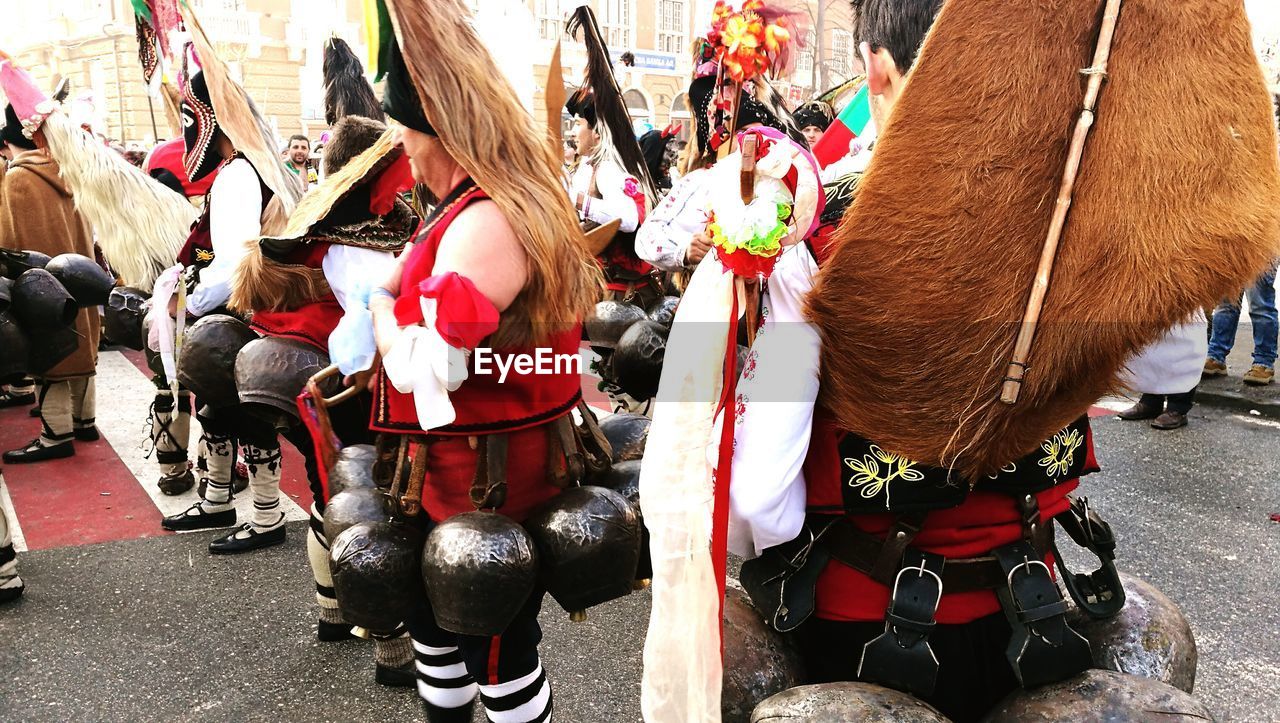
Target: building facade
274	47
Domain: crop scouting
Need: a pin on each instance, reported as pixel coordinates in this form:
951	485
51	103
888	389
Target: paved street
122	622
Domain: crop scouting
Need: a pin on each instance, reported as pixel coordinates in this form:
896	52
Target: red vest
484	404
312	322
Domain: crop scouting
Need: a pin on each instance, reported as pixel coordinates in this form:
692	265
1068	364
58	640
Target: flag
853	122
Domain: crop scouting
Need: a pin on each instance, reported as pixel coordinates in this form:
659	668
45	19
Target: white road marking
124	402
15	529
1258	421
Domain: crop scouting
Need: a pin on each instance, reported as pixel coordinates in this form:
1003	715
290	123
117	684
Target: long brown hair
478	118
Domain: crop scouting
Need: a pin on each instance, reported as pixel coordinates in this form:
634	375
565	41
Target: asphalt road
157	630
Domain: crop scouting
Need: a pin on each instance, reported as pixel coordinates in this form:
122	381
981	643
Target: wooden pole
1012	385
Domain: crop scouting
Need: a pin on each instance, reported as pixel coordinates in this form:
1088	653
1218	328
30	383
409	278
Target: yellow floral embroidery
204	255
868	474
1060	451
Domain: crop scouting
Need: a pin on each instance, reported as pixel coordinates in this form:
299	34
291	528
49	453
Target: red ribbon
724	462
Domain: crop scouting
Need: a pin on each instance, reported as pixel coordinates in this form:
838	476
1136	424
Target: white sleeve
777	392
665	236
614	202
235	220
352	272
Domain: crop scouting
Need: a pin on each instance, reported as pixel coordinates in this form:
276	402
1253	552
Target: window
637	106
680	114
804	63
672	26
548	18
615	23
841	52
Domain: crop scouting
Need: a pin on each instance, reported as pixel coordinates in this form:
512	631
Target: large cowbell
207	363
87	282
353	469
13	349
122	317
589	542
627	434
353	506
41	303
14	263
624	478
479	569
610	321
375	574
272	371
637	359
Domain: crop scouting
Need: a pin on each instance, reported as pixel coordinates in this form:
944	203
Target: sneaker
35	451
196	518
246	538
1214	368
9	399
1169	420
1259	376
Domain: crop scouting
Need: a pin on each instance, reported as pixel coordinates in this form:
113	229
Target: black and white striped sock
526	699
443	679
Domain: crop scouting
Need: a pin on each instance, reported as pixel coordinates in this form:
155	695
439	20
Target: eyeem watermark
485	361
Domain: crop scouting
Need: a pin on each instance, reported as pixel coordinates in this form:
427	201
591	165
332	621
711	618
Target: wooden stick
1012	386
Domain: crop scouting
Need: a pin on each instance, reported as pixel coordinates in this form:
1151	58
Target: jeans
1262	311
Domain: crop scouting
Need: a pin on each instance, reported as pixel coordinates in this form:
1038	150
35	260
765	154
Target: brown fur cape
1176	206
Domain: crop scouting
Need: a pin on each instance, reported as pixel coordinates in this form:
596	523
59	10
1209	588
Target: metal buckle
1027	563
921	571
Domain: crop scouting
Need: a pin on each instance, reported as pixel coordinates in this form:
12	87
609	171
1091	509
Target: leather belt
862	552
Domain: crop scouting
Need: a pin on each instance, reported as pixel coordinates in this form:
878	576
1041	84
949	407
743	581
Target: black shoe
9	399
1139	411
195	518
1169	420
406	677
436	714
177	484
333	632
87	434
9	594
231	545
34	411
37	452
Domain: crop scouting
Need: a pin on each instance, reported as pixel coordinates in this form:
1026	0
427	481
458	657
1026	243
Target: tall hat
346	91
212	94
139	223
475	113
599	101
199	129
814	113
927	286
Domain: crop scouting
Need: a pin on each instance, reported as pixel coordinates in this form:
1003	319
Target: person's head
890	33
585	136
813	119
11	135
299	149
570	150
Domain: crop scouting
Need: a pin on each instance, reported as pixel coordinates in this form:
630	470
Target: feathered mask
346	91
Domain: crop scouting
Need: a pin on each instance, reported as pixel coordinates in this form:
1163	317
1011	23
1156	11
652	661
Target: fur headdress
479	120
1175	207
139	223
599	101
346	91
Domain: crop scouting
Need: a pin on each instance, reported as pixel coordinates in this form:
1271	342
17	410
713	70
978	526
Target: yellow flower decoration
868	477
1060	452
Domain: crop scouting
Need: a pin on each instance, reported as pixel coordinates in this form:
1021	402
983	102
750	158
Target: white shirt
665	236
613	201
235	220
